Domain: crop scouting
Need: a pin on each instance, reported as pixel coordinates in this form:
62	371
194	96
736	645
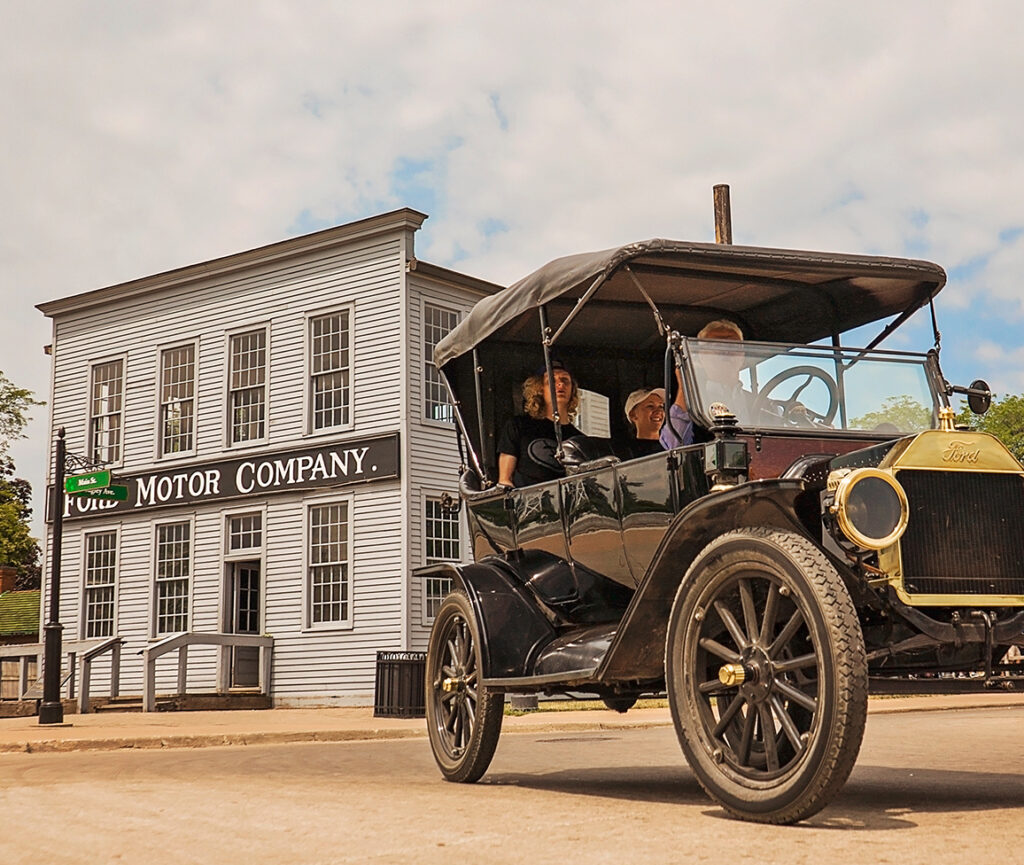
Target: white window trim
228	336
425	495
158	442
92	364
460	314
348	624
84	558
154	634
307	368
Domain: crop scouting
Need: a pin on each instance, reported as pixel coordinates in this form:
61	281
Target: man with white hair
678	431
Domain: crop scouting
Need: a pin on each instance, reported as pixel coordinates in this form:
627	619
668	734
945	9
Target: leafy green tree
904	413
15	404
17	546
1005	420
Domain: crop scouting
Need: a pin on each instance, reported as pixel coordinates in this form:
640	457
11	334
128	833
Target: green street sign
115	492
86	483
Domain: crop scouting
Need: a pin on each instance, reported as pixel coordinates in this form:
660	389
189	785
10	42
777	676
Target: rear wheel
766	675
463	716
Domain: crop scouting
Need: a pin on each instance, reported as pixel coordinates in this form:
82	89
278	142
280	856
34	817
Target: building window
329	371
106	406
173	566
100	572
328	564
442	544
437	322
177	399
247	397
245	532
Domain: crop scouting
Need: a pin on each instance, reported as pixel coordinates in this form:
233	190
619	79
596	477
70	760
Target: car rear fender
638	650
513	625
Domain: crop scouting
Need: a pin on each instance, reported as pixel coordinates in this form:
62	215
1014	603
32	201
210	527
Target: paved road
929	787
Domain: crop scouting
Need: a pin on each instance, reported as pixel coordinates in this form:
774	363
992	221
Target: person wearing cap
527	445
645	408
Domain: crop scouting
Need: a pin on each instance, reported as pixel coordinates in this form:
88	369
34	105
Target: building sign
333	465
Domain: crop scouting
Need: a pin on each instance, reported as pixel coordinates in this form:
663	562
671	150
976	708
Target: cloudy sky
140	137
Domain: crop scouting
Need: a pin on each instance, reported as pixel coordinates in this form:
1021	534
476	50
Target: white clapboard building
285	443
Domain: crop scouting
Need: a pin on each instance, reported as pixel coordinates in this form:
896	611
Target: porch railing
181	642
80	655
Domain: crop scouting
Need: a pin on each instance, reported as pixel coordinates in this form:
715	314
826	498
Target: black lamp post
51	710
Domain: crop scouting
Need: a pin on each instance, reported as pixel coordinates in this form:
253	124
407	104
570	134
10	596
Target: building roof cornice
443	275
404	219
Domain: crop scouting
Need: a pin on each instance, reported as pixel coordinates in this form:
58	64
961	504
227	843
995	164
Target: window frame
162	350
431	495
155	581
424	363
248	553
230	557
86	589
89	427
230	336
347	623
309	403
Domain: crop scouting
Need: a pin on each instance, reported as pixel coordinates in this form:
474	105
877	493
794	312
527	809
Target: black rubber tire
464	722
771	602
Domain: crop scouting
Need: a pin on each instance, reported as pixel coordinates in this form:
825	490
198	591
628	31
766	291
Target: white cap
638	396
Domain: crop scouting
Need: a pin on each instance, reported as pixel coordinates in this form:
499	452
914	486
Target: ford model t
825	529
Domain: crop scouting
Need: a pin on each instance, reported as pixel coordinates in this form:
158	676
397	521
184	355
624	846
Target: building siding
368	277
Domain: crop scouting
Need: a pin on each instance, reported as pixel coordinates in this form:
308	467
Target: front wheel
766	675
463	716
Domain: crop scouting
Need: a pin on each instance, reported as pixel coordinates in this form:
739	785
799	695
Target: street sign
84	483
115	492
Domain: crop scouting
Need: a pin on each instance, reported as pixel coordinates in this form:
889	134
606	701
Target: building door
245	619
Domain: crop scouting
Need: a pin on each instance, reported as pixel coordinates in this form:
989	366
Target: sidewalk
114	731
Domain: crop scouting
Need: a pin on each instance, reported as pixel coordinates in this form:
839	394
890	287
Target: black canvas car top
774	294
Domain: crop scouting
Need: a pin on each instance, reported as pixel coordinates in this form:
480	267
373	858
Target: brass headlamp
870	507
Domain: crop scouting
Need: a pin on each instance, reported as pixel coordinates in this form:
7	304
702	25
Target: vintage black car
829	533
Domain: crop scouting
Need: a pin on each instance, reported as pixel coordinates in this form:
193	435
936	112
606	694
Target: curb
517	724
215	740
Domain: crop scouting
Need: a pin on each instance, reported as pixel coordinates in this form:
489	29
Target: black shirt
532	443
640	448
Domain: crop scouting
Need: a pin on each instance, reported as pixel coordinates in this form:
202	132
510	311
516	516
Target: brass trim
912	600
732	675
843	490
958	450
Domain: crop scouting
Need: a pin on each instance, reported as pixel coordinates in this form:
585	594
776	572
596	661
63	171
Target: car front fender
638	650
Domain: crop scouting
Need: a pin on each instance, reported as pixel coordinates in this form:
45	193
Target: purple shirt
678	422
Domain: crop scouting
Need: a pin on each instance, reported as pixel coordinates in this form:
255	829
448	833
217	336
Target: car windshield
774	386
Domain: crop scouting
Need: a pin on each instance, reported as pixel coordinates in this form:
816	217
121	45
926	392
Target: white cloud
141	137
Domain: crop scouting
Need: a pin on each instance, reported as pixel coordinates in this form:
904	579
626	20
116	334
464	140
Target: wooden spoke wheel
463	716
767	675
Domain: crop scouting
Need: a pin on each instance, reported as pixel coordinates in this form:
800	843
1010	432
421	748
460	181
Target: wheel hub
753	675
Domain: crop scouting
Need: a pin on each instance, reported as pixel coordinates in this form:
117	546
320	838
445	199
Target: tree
17	546
15	403
903	413
1005	420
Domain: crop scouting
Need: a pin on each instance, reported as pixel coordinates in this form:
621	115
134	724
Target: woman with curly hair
526	449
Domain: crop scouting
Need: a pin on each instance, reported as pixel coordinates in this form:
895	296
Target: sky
141	137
